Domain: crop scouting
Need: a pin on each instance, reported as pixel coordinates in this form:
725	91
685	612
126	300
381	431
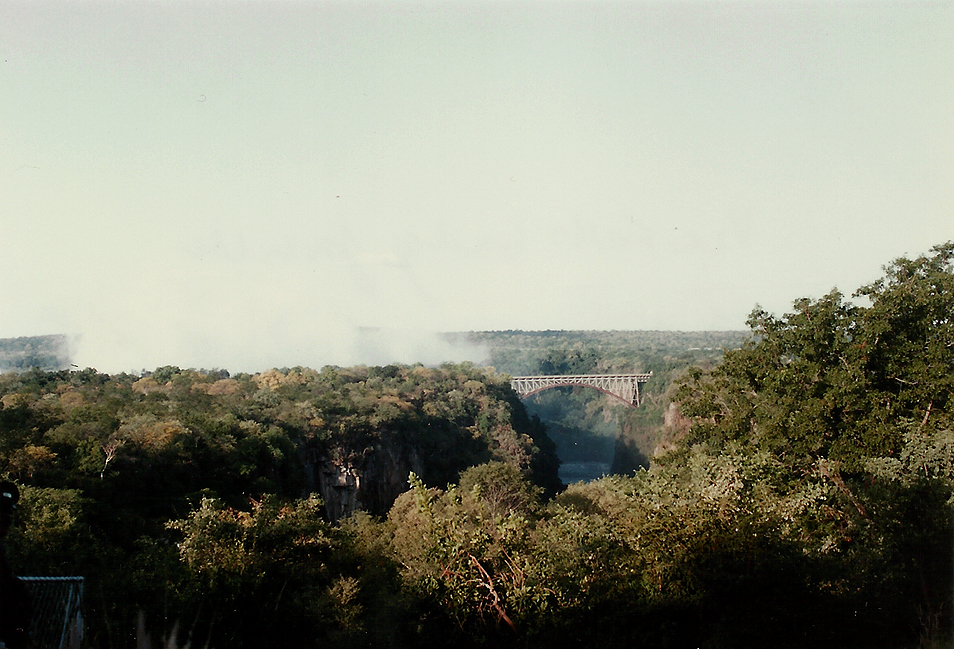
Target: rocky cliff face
338	483
676	425
371	481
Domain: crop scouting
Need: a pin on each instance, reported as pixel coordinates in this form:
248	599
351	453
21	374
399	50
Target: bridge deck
622	386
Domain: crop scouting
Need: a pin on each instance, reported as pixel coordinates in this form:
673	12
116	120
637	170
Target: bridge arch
624	387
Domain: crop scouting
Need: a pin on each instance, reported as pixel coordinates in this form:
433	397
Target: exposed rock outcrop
370	481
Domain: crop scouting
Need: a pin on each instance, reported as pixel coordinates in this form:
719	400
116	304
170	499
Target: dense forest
799	493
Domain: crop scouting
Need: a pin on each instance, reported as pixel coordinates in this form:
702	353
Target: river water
571	472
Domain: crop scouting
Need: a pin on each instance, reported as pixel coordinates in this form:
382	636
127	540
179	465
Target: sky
254	184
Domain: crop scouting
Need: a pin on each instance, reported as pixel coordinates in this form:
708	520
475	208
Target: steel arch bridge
624	387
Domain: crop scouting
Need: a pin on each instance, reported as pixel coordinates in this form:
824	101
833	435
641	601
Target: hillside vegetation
108	464
804	498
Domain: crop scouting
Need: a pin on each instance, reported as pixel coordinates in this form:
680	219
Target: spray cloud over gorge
247	350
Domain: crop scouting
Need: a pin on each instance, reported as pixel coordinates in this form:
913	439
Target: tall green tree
832	379
854	401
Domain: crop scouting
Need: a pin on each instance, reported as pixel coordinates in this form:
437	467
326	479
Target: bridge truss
624	387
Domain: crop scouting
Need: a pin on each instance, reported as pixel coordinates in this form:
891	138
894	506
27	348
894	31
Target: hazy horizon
369	346
252	185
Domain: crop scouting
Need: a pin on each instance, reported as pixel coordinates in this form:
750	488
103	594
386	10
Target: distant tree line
48	353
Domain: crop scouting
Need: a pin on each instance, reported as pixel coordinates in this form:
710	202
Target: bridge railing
622	386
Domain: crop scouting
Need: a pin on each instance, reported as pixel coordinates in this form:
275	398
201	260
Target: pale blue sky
243	184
